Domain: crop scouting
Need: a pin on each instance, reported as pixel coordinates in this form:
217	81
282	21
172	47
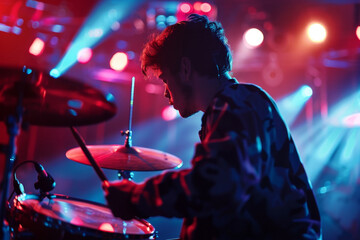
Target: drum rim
74	229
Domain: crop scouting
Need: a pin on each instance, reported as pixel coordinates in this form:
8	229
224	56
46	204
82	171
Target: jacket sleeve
220	178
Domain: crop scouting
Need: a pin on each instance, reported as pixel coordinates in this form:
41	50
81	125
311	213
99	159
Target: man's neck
208	87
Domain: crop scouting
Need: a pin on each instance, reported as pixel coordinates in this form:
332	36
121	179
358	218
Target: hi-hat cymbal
119	157
49	101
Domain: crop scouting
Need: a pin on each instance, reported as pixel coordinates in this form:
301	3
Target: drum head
78	217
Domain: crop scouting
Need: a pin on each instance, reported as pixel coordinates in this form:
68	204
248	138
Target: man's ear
185	69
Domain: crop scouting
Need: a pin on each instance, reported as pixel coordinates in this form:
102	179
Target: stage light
115	26
197	6
130	55
121	44
316	32
291	105
119	61
358	32
170	20
54	41
351	142
160	18
169	113
37	47
346	112
139	25
160	22
205	7
185	7
352	120
55	73
99	23
306	91
57	28
161	25
253	38
96	33
84	55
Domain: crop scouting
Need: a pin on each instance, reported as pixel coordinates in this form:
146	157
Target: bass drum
61	217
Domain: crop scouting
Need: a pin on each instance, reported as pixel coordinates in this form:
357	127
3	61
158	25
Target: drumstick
87	153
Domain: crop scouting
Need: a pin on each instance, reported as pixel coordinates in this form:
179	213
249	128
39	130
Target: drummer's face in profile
178	93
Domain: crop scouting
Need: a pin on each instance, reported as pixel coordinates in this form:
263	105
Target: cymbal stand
13	125
124	174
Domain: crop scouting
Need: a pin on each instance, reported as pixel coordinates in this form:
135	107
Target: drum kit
34	97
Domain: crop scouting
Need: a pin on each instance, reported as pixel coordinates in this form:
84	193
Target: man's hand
118	196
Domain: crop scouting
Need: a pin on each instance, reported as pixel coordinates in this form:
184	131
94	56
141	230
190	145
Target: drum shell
27	223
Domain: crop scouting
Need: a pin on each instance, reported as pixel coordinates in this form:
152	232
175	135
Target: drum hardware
125	174
128	143
13	123
45	182
33	97
126	158
48	101
36	98
53	216
61	217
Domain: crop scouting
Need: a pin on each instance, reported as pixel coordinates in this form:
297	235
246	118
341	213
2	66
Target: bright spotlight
37	47
185	7
197	6
84	55
55	73
358	32
169	113
316	32
119	61
253	38
291	105
306	91
205	7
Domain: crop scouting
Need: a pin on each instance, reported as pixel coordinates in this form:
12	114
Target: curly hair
197	38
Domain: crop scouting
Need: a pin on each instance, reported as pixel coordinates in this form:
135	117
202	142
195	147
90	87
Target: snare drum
64	218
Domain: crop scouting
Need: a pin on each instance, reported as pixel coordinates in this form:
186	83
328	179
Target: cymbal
119	157
48	101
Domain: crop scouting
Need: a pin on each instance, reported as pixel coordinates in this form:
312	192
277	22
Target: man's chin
186	114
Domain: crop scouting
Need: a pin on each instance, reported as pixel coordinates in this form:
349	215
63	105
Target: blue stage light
96	27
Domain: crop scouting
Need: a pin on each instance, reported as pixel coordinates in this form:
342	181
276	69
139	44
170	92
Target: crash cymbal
119	157
49	101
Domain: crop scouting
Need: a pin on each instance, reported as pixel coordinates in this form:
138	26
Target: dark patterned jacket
246	180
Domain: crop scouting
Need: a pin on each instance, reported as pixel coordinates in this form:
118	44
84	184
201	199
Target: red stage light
205	7
253	38
316	32
119	61
185	7
37	47
358	32
197	6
